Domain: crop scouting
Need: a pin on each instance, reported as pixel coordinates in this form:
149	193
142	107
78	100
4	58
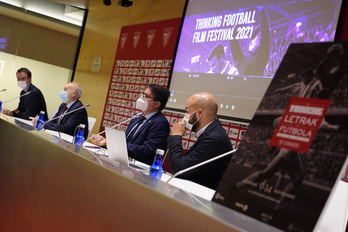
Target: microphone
114	126
2	90
82	107
201	164
16	97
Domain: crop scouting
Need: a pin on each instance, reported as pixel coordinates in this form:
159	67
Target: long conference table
48	184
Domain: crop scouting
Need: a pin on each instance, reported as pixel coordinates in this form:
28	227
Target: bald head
74	87
74	91
207	102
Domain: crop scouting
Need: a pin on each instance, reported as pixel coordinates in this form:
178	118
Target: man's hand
34	120
7	112
99	140
179	128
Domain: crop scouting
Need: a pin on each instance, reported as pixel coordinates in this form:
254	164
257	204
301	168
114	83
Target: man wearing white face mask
67	123
31	104
212	140
146	133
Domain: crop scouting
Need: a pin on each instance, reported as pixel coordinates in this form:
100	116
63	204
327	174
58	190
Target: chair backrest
53	112
91	122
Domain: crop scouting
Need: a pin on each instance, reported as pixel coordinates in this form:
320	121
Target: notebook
117	147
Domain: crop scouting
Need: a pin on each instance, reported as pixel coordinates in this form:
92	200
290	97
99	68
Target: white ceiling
62	12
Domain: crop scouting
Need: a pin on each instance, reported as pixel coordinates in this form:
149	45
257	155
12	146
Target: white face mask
187	119
22	84
141	104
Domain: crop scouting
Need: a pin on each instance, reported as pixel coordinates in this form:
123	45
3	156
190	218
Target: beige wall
35	42
100	38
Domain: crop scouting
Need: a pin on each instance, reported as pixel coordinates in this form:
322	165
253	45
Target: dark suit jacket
152	135
211	143
31	104
70	122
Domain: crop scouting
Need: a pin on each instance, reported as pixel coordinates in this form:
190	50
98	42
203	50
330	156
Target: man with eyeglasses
212	140
149	132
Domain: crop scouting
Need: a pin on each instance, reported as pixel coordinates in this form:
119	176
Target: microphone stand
16	97
55	130
201	164
114	126
84	106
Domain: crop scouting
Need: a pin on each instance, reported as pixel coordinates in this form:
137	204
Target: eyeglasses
145	96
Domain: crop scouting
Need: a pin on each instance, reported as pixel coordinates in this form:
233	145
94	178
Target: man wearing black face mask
149	132
212	140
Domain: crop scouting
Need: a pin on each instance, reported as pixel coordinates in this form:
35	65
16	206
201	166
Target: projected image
239	40
232	49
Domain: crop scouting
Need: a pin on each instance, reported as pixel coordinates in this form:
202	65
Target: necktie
61	116
135	128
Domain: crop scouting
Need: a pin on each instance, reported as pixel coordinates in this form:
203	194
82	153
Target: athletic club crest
150	37
124	37
136	38
167	33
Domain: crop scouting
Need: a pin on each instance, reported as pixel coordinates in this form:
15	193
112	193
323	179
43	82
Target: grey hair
78	90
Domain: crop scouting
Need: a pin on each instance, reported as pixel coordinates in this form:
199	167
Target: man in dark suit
64	122
31	104
149	132
212	140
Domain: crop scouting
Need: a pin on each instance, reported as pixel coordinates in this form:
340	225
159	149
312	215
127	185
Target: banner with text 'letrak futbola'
295	147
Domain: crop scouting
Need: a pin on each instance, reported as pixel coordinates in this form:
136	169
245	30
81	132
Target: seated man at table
31	104
63	120
149	132
212	140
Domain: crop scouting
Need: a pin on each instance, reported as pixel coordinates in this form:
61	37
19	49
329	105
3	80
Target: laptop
117	148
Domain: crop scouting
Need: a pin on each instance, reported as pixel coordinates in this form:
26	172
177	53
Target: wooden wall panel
101	38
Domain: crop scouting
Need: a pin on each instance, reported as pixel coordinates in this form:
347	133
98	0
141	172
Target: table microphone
15	97
114	126
201	164
82	107
2	90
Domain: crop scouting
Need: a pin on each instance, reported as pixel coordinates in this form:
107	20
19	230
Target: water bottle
79	139
0	106
156	169
40	121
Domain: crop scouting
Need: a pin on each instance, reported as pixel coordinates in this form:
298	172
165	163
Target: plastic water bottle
156	169
79	139
0	106
40	121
